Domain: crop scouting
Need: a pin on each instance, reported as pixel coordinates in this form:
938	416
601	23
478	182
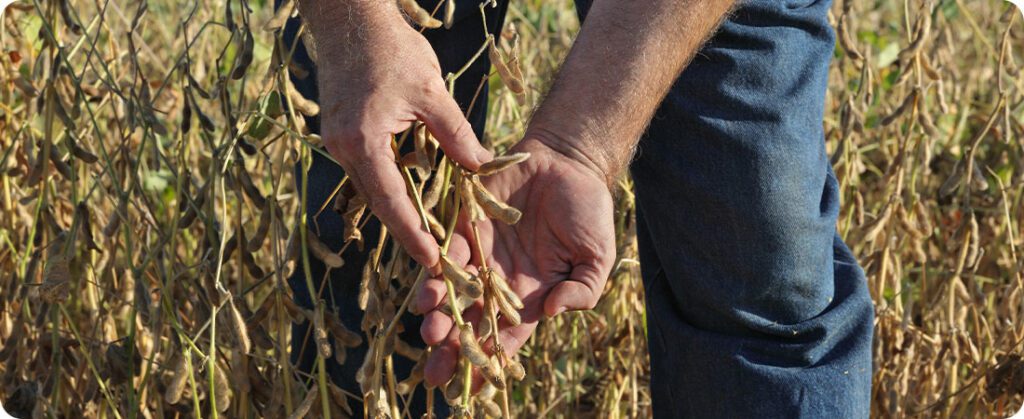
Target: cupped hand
375	82
556	258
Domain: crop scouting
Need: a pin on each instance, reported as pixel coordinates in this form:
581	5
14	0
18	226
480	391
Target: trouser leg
755	307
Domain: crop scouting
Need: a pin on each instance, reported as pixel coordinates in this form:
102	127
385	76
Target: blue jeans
756	307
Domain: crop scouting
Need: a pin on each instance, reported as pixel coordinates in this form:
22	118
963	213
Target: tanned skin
559	255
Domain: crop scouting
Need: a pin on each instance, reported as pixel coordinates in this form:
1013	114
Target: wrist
573	149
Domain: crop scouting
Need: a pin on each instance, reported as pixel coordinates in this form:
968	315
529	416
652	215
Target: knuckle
462	131
434	89
384	204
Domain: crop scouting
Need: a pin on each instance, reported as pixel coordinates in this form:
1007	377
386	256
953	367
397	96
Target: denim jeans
756	307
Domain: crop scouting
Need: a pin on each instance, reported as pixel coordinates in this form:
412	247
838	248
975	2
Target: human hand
375	81
556	258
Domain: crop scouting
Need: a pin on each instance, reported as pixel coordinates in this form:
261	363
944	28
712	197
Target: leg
454	48
756	307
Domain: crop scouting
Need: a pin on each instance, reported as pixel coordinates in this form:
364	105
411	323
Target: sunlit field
149	208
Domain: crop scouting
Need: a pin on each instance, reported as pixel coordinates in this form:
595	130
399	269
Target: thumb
445	121
580	292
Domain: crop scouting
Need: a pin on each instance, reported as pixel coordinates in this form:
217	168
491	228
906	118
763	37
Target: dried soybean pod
340	352
517	71
514	84
341	333
58	163
507	310
485	323
322	252
178	377
929	70
907	103
407	385
469	203
411	160
204	121
307	403
973	252
114	221
251	266
338	397
356	208
256	241
435	226
928	124
245	57
418	15
191	212
238	328
952	183
449	13
83	154
261	312
304	106
57	275
365	369
501	285
846	41
246	146
222	389
250	188
514	369
404	349
433	193
422	154
294	311
85	232
464	282
492	206
492	372
364	282
25	86
453	390
491	408
65	14
280	16
501	163
462	302
470	348
320	332
229	246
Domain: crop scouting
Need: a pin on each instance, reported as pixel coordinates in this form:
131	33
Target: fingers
580	292
432	293
442	360
445	121
435	327
433	290
377	178
445	357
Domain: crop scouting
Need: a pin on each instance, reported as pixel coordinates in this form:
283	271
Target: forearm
347	25
625	59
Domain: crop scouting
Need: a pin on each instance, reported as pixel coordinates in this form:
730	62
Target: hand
556	258
375	83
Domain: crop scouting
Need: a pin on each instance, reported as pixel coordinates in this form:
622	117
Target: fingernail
435	270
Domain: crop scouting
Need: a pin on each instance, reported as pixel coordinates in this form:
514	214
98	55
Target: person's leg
454	48
755	307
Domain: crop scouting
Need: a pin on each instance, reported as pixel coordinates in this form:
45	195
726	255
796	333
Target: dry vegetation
148	207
